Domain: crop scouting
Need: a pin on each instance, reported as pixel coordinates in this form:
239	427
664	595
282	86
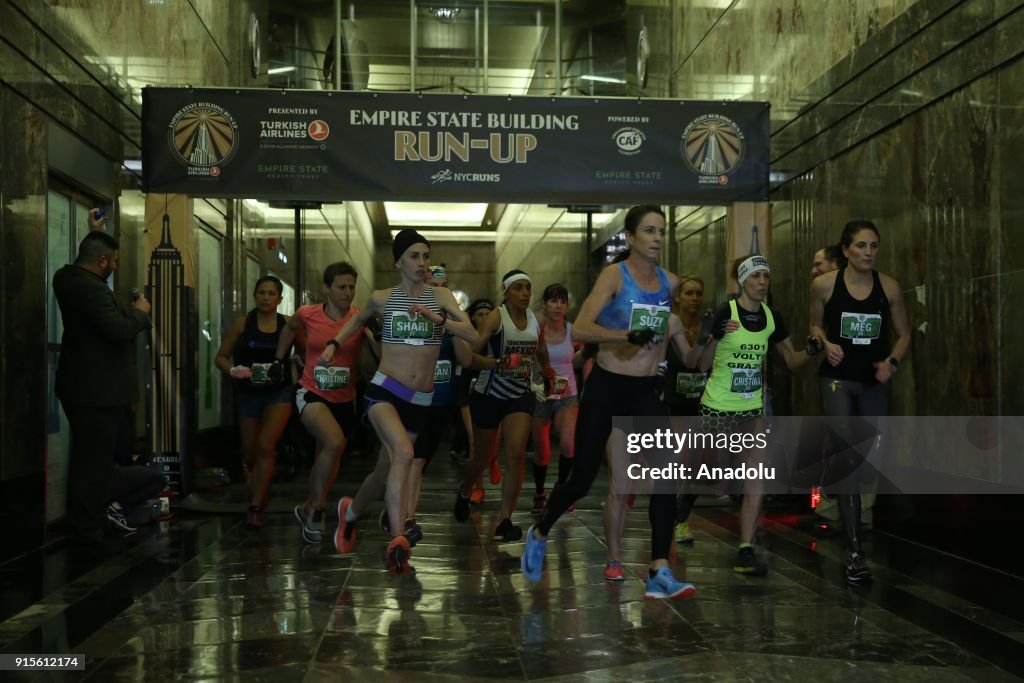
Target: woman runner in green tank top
735	348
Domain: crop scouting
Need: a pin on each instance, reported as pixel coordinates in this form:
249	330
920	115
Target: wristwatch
331	342
894	363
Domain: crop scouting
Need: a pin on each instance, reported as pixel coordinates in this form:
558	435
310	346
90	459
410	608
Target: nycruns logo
628	140
713	147
447	175
204	137
319	130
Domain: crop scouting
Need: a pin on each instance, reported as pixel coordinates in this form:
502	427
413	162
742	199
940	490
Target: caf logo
629	140
203	135
713	145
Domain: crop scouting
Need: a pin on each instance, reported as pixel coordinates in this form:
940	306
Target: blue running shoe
663	586
532	560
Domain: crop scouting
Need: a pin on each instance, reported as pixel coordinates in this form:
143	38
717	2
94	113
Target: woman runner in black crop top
857	310
264	405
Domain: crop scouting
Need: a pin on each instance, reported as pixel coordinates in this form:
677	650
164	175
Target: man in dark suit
96	374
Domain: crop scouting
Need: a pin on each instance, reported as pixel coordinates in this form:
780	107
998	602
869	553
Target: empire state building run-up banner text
314	145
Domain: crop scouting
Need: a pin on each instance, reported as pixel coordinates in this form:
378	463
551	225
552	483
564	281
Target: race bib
746	381
649	317
443	372
560	385
860	328
331	377
260	373
411	329
522	371
690	384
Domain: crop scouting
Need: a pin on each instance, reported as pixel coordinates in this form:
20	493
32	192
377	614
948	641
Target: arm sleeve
718	320
781	333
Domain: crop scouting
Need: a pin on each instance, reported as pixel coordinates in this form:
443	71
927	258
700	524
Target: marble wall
907	114
23	339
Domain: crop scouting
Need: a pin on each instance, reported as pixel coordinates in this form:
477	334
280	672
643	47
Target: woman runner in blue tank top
628	315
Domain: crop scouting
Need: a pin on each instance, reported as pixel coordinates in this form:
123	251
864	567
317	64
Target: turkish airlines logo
318	130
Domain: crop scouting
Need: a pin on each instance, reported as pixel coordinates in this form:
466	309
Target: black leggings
843	398
607	395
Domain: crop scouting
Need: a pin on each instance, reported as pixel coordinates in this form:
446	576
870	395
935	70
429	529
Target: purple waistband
417	398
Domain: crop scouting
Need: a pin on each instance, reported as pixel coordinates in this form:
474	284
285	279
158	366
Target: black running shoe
857	569
507	531
461	507
748	562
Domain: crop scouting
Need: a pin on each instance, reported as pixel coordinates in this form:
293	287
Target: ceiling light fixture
602	79
445	13
280	70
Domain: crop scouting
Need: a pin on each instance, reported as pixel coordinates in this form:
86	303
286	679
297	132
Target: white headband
751	266
507	282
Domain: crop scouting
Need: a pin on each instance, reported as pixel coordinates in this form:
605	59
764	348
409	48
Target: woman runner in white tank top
503	395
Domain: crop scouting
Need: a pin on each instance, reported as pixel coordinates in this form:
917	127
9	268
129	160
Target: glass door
209	287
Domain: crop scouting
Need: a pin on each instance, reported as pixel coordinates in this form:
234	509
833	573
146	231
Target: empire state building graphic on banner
201	153
169	297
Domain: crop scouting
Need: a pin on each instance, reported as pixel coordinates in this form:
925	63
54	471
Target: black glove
276	371
641	337
814	346
709	329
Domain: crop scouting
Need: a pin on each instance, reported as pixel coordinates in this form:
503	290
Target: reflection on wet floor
206	599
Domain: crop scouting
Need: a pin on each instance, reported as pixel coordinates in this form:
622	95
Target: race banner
335	146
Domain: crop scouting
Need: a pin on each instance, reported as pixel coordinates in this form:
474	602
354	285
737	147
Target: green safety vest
737	373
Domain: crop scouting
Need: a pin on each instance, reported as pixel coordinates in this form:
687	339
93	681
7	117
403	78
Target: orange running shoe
398	554
613	571
345	536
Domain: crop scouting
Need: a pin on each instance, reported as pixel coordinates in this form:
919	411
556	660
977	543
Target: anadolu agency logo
713	147
204	137
629	140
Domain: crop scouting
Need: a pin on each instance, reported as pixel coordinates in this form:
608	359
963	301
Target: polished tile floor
204	599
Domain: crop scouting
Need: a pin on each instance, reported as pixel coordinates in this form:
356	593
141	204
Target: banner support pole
412	45
337	44
558	52
590	249
298	255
